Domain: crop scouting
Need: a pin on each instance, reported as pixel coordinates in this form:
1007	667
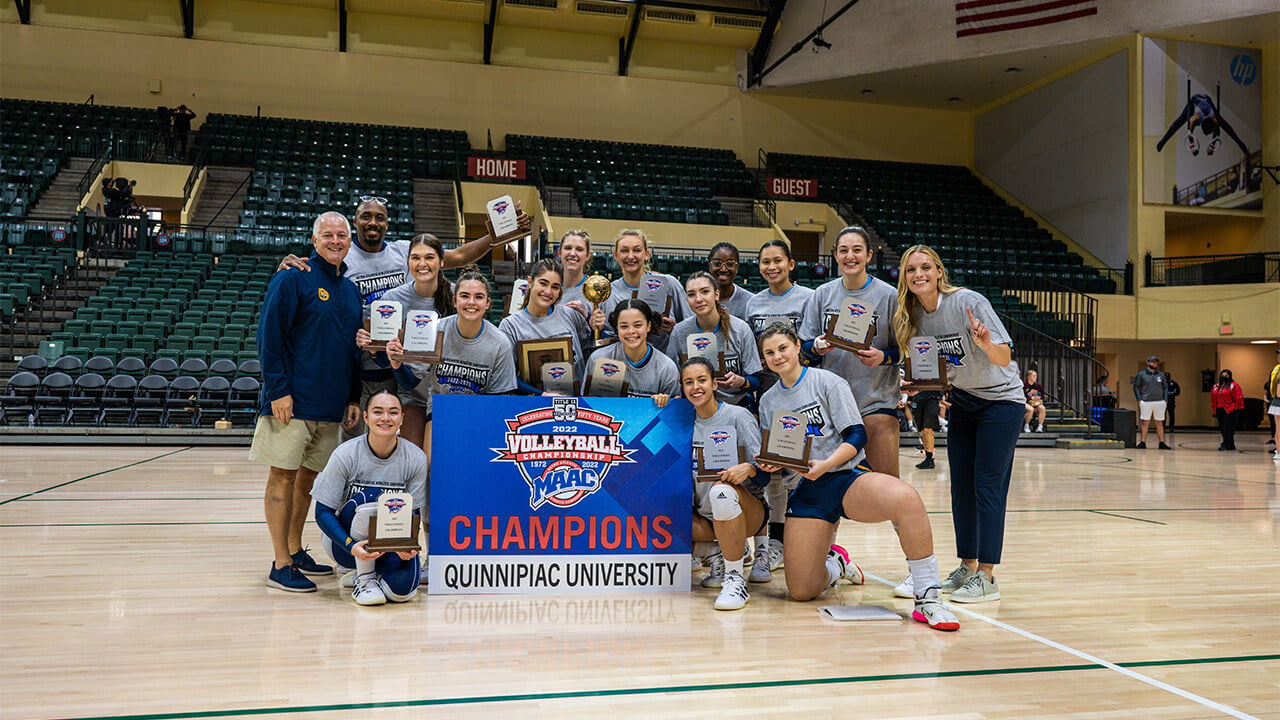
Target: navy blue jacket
307	341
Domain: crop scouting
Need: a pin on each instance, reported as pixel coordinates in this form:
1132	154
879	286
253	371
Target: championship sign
560	495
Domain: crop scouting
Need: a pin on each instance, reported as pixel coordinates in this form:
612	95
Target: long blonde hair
907	318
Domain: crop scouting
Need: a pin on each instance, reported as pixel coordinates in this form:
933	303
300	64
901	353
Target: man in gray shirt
1151	391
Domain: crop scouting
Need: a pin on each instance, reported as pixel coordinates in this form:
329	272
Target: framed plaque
393	528
926	368
785	443
648	292
519	291
423	340
718	452
386	318
557	377
502	220
704	345
607	378
853	327
531	355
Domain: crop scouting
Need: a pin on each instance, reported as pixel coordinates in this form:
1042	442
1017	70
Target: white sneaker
714	578
734	595
978	588
760	572
368	590
957	578
348	579
1026	428
929	609
905	589
849	570
776	558
943	422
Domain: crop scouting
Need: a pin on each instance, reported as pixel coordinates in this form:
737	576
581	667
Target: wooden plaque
532	354
502	221
399	526
925	368
853	327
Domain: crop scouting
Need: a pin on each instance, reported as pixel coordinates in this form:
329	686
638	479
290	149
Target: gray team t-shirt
569	293
737	303
823	401
658	375
560	322
654	289
409	299
375	275
353	467
876	388
482	365
967	366
741	356
766	308
747	431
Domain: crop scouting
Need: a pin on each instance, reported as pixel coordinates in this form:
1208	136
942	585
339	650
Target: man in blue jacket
307	347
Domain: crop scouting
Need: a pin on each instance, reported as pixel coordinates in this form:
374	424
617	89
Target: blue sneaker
308	566
289	579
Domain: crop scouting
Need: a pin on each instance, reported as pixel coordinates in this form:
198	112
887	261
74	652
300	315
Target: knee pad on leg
724	502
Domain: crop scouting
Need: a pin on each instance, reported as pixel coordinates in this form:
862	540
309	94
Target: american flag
977	17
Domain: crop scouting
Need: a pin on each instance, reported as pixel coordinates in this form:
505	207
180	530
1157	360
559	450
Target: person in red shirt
1227	400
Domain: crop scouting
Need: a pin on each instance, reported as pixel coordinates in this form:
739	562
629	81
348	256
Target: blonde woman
662	293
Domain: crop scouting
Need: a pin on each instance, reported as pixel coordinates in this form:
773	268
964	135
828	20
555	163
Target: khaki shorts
300	443
1152	410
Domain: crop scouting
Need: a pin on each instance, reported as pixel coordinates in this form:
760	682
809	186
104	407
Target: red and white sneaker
849	570
929	609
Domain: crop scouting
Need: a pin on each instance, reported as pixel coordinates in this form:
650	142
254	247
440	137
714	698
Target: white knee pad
724	502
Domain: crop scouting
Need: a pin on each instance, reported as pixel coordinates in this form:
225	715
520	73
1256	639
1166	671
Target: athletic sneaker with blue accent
849	570
760	572
308	566
978	588
929	609
714	578
289	579
957	578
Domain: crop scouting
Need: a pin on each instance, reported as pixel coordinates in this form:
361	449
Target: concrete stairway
435	209
61	199
222	184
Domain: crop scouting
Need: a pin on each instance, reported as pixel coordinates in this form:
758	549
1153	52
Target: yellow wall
1214	235
361	87
664	235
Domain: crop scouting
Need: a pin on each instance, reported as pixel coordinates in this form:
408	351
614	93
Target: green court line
86	477
567	695
1127	517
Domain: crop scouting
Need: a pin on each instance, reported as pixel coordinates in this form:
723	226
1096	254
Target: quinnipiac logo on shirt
563	467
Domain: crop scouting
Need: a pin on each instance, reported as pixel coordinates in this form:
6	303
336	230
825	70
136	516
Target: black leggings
1227	426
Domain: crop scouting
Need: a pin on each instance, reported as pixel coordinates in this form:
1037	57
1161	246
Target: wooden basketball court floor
1136	584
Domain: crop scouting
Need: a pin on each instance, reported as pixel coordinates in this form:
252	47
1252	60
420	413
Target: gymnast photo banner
559	495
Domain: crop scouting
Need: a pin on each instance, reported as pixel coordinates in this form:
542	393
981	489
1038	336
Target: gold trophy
596	290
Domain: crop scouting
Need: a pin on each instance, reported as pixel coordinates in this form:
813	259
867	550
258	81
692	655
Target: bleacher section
302	168
631	181
27	272
949	209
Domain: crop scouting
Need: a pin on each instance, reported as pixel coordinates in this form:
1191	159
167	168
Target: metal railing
763	196
1067	373
1231	269
1048	296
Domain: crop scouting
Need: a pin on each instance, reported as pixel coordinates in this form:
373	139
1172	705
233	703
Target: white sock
733	566
924	575
762	544
365	566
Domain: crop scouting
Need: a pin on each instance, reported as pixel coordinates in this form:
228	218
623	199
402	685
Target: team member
544	317
1273	407
475	357
346	494
838	485
428	290
377	265
783	301
1151	392
731	508
929	422
1033	396
985	416
649	373
309	389
631	250
871	374
723	263
1226	400
574	254
709	315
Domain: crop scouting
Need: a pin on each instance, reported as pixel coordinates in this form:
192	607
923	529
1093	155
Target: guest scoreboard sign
560	495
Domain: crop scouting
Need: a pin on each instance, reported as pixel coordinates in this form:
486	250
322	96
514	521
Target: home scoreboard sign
560	495
500	168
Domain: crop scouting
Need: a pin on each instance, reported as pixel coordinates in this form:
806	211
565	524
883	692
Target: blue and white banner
559	495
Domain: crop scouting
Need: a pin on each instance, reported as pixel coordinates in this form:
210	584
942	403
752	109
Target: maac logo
653	284
857	310
789	422
702	343
422	320
923	347
501	206
609	369
556	373
719	437
395	505
562	468
322	294
386	311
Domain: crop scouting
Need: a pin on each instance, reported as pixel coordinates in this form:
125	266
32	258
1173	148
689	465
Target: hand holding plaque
718	452
785	443
384	323
707	346
926	368
606	378
393	528
504	221
422	339
852	327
